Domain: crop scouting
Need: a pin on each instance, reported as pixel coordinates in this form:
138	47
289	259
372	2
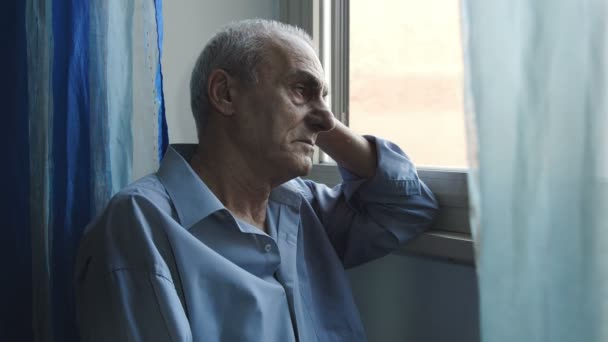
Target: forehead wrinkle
309	66
297	54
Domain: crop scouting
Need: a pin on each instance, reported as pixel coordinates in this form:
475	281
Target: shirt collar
192	199
287	193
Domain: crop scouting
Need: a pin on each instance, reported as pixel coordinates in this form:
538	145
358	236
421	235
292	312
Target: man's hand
350	150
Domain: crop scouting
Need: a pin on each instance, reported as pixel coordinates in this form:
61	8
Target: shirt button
267	248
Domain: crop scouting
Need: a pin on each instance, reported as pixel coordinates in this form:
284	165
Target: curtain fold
16	285
536	84
85	116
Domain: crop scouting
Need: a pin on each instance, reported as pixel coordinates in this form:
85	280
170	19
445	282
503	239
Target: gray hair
237	48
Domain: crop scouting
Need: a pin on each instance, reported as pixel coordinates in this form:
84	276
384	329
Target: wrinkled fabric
166	261
537	75
71	134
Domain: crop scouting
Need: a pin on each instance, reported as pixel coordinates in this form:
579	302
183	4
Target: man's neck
228	176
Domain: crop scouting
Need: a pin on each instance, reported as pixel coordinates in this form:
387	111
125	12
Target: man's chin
303	169
307	170
296	167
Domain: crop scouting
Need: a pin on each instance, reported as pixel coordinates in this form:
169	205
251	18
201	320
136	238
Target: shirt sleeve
368	218
127	305
124	289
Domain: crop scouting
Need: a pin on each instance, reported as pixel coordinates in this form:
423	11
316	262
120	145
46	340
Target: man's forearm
350	150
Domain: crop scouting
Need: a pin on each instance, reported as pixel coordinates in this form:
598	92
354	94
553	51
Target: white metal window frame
450	237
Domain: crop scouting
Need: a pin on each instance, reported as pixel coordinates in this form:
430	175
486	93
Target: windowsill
447	246
450	237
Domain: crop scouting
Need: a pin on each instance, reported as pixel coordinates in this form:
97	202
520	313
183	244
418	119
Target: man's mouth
307	141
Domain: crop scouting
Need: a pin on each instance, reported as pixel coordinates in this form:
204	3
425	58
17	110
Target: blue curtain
82	78
537	103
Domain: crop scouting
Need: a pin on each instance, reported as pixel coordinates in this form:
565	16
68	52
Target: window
395	70
406	77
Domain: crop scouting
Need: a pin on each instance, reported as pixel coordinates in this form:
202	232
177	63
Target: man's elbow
429	208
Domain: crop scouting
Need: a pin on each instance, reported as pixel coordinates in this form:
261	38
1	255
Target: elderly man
226	243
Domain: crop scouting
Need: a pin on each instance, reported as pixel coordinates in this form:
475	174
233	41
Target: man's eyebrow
309	79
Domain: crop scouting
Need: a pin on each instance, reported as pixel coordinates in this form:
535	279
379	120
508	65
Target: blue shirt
166	261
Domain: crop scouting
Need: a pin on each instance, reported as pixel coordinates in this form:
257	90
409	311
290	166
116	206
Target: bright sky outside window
406	77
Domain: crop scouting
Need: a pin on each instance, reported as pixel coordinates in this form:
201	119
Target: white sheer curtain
537	91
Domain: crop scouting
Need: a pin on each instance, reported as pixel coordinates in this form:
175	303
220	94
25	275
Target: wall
188	26
403	298
400	298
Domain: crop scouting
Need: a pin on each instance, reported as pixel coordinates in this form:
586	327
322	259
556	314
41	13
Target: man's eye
302	91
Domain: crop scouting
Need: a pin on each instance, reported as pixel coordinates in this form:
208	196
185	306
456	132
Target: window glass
406	77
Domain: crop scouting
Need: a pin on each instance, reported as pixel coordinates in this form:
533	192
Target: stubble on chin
302	166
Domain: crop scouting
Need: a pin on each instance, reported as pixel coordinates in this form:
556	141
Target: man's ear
219	90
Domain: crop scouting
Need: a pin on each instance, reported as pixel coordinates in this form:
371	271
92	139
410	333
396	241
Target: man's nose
321	118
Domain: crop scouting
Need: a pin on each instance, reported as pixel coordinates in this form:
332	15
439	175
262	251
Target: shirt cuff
395	173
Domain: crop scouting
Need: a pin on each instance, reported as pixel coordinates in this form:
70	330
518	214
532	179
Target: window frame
449	239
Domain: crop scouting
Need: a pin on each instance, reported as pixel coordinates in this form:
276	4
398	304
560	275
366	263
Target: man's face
280	116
